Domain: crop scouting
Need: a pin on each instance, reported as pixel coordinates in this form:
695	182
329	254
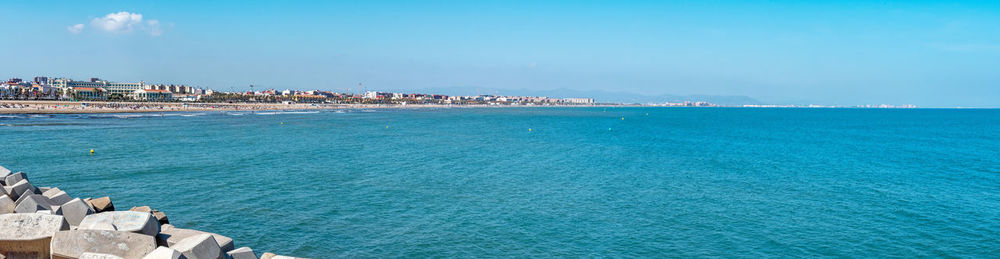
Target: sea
544	181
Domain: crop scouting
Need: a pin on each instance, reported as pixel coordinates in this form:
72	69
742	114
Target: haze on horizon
930	54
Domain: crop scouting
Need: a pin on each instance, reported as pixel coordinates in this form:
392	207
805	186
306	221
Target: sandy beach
57	107
43	107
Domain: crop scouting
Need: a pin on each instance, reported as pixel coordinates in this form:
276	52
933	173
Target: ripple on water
477	183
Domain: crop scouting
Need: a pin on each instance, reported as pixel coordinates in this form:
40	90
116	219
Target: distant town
96	89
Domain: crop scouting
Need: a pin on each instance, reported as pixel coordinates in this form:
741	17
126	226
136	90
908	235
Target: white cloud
118	22
75	29
154	27
122	22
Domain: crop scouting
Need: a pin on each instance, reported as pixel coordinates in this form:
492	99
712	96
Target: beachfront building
152	95
123	89
177	89
138	91
89	93
309	98
44	91
9	90
579	100
186	97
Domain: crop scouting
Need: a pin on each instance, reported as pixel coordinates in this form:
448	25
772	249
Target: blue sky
802	52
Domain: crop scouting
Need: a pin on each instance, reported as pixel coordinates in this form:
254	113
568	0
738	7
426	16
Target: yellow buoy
623	118
91	151
529	129
387	126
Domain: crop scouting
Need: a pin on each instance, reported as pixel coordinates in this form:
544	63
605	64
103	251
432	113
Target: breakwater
46	222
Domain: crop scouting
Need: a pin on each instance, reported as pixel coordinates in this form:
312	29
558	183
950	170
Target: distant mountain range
599	96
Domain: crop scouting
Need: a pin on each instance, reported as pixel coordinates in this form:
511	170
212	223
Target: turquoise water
678	182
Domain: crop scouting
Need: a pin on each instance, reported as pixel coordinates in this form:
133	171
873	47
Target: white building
151	95
112	87
579	100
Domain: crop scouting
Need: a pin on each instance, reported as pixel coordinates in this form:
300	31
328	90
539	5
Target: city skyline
42	88
829	53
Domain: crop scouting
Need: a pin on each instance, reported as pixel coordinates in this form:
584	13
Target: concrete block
267	255
164	253
74	211
44	189
23	197
242	253
102	204
28	234
97	226
56	196
52	190
99	256
12	179
73	243
32	203
4	172
170	235
128	221
160	216
20	188
6	205
201	246
59	198
87	200
46	212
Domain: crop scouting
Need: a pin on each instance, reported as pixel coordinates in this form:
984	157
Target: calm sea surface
675	182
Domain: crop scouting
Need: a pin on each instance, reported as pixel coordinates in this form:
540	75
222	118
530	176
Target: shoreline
14	107
77	107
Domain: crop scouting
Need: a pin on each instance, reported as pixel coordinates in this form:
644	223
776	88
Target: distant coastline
66	107
71	107
76	107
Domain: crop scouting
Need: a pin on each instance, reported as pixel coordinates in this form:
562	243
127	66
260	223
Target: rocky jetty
46	222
